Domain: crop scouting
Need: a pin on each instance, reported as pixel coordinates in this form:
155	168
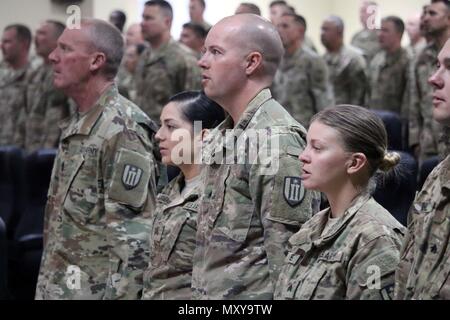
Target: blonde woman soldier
350	250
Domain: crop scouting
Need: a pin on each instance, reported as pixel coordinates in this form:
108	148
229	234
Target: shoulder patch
293	191
131	176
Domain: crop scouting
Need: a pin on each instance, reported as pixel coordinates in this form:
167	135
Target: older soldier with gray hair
249	206
103	182
346	64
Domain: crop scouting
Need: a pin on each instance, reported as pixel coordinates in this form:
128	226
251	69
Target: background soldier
167	67
196	12
425	133
416	38
422	273
45	106
103	182
389	70
193	36
15	45
367	38
248	209
302	81
346	64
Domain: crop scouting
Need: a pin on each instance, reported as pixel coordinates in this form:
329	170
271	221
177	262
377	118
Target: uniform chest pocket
237	208
304	287
168	232
80	189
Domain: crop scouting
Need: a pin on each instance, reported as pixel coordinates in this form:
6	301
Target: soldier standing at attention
302	83
45	106
425	133
196	12
346	64
389	70
350	250
167	67
367	38
103	186
14	72
423	271
174	226
249	206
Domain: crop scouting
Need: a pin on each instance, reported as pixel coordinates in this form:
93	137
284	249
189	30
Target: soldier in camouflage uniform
346	64
425	133
102	190
174	226
14	73
350	250
45	106
389	71
253	198
302	82
367	38
166	68
196	11
423	271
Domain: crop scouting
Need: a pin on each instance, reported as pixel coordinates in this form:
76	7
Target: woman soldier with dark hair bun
174	226
350	250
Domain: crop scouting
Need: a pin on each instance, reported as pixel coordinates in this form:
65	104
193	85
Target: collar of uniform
83	123
10	75
171	195
156	54
312	234
446	175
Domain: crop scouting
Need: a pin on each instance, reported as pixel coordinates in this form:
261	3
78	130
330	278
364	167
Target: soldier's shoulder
180	52
133	111
374	221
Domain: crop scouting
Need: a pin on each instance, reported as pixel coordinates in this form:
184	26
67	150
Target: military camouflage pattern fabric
302	85
101	196
367	41
423	129
163	73
126	83
347	75
355	258
388	82
45	108
12	101
172	244
424	269
246	213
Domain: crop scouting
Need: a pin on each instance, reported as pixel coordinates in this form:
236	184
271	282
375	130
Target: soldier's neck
441	39
20	63
293	48
158	42
87	94
341	199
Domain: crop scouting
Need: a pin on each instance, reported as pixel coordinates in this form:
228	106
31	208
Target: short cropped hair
398	23
198	29
22	31
58	27
297	18
165	7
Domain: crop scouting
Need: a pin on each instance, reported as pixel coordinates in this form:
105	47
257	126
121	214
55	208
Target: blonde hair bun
390	161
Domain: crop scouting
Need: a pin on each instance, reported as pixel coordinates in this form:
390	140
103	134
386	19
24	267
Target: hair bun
390	160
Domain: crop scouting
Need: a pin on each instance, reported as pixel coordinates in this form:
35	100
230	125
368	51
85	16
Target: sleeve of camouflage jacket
371	270
358	81
280	219
127	212
321	89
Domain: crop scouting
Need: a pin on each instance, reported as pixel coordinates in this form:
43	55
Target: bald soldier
45	106
346	64
425	134
423	271
103	183
253	199
167	67
302	82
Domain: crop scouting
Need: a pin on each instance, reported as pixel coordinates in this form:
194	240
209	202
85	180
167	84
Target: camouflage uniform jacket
172	245
338	263
424	269
423	129
347	75
101	195
302	85
12	101
45	108
249	208
163	73
388	82
367	41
